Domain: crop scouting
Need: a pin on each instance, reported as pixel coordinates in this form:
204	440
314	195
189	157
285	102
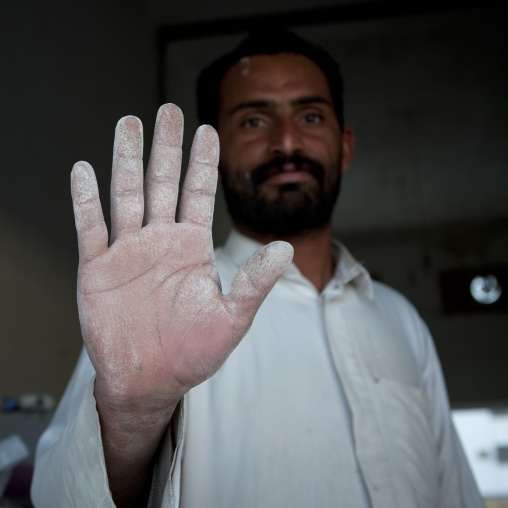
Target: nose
286	138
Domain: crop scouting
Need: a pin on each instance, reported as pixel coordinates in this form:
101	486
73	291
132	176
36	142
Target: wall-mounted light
474	289
485	289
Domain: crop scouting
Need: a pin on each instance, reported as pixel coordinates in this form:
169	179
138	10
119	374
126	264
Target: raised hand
154	320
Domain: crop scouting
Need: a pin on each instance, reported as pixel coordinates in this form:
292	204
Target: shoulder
389	298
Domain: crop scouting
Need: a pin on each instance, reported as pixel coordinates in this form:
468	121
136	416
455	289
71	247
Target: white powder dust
245	64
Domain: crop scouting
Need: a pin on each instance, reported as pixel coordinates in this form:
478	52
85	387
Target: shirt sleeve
70	469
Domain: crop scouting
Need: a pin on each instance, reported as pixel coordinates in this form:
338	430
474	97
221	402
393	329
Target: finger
127	178
255	280
198	193
90	225
163	173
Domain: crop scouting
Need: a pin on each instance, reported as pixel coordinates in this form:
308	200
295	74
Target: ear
348	147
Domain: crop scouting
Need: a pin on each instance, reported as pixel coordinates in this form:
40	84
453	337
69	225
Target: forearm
131	432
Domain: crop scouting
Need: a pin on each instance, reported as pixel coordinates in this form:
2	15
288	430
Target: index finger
127	201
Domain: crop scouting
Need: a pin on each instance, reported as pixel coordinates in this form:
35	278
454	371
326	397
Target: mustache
276	165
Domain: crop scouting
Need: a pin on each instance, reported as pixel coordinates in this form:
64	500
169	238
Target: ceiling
178	12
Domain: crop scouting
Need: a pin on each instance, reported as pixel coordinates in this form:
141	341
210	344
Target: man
335	395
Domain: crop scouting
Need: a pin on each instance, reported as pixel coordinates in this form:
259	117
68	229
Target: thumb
254	281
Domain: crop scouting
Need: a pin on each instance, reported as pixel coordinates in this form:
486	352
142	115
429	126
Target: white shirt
332	399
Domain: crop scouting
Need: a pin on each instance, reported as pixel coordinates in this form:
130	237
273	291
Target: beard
289	208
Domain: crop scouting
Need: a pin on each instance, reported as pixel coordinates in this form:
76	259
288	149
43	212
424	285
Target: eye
312	118
252	122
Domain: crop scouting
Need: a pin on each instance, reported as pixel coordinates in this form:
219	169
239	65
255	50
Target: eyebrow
251	105
264	104
311	99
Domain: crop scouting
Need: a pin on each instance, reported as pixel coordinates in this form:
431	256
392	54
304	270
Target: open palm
154	319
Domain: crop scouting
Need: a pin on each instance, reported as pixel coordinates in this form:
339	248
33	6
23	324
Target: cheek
332	141
243	153
325	150
230	146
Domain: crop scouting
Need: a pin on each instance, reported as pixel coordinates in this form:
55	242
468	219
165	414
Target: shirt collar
348	270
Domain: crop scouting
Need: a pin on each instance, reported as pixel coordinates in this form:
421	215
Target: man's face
282	149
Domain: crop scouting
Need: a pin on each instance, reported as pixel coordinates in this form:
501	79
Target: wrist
138	416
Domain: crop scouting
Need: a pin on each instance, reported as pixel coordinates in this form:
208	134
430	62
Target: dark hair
265	42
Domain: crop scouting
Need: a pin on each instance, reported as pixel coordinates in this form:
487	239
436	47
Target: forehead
280	77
